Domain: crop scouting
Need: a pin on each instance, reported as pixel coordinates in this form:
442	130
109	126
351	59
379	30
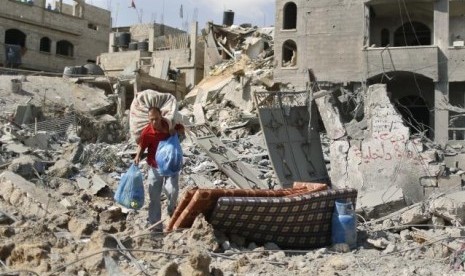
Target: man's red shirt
150	138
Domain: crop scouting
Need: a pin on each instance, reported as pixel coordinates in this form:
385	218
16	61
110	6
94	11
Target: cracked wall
384	157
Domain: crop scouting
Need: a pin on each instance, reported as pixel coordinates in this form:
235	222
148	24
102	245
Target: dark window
412	34
65	48
92	26
15	37
290	16
45	44
385	37
289	54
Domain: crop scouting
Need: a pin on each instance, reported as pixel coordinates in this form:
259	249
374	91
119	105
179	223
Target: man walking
158	129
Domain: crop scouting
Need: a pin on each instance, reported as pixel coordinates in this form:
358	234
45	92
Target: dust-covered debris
65	143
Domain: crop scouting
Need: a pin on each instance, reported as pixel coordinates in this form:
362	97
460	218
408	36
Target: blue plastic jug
344	224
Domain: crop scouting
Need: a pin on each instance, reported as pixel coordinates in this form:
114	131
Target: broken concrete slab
26	197
254	46
62	168
416	215
331	117
83	183
449	184
17	147
27	166
199	115
85	99
39	140
380	203
242	175
239	94
97	184
450	207
201	181
207	89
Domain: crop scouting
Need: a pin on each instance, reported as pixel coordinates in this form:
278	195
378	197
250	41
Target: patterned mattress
203	201
299	221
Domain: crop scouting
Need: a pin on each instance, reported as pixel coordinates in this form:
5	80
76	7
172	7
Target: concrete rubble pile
57	178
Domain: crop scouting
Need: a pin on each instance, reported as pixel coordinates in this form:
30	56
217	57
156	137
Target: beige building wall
88	35
369	41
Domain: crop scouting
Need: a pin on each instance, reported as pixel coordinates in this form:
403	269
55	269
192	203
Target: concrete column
137	84
152	39
192	76
111	43
441	89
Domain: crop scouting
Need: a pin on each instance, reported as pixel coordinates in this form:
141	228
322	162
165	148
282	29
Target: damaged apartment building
155	56
36	36
388	80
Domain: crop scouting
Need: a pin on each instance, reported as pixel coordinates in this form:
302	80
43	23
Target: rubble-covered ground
57	180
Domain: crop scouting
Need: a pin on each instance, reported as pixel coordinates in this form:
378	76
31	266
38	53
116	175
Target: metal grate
56	125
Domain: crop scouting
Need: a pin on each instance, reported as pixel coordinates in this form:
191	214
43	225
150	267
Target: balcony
418	59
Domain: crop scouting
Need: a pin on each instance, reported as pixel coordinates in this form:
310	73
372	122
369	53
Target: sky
256	12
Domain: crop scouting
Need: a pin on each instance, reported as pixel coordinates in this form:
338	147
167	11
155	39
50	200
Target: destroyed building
37	36
64	148
165	57
387	84
416	48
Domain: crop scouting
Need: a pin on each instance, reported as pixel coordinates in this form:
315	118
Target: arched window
412	34
65	48
15	37
290	16
385	40
289	54
45	44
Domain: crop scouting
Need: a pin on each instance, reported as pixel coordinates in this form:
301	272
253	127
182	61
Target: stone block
415	215
430	192
450	184
97	184
429	181
83	183
436	169
62	169
450	207
456	161
375	204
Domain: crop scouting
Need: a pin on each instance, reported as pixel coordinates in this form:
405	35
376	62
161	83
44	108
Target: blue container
344	224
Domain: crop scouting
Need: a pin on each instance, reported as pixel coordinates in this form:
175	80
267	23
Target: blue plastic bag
130	191
169	156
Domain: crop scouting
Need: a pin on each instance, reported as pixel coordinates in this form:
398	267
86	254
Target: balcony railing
417	59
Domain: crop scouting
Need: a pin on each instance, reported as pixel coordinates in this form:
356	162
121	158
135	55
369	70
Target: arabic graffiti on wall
387	146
